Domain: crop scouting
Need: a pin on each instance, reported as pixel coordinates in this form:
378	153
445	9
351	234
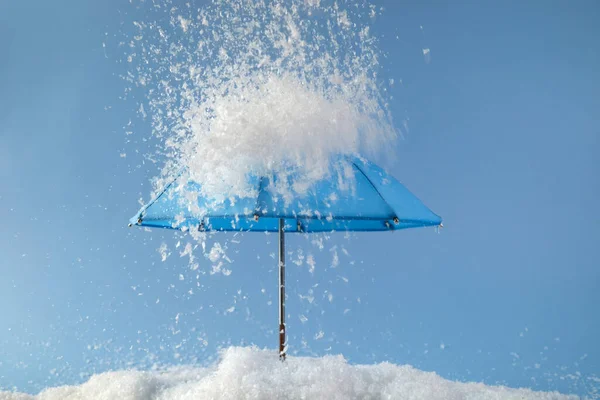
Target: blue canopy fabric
377	202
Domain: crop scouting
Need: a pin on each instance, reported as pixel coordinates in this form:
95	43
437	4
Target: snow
269	91
250	373
271	125
427	55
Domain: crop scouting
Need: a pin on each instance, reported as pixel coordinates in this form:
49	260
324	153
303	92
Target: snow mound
250	373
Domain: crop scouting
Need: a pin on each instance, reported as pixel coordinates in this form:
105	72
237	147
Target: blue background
503	143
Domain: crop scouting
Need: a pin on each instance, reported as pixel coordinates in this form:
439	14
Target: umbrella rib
374	188
293	217
260	183
154	200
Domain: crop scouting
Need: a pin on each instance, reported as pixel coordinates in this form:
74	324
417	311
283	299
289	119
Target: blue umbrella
375	202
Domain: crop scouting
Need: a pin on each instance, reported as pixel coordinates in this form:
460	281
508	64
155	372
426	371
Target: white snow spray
260	87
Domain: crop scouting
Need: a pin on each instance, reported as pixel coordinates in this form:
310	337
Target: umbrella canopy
374	201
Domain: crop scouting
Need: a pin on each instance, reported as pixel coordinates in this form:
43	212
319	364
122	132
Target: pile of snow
249	373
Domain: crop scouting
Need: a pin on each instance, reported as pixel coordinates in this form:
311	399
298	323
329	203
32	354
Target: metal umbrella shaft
282	339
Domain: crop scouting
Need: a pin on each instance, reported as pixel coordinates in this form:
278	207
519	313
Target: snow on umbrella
374	202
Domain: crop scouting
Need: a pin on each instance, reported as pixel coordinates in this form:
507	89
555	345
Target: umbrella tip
439	227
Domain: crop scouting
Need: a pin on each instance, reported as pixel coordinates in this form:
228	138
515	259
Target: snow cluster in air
250	373
276	124
244	87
